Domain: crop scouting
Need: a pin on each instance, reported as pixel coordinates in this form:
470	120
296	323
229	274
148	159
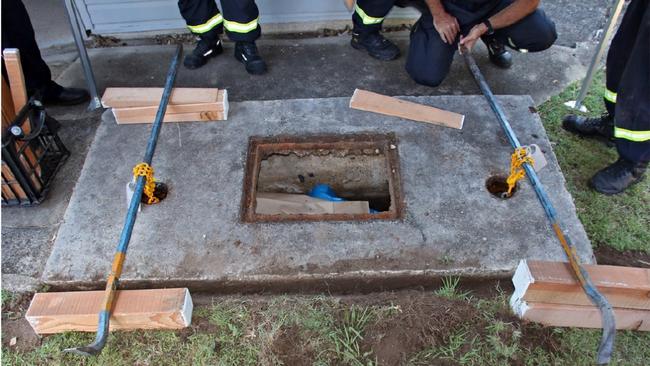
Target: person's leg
429	58
367	20
204	20
17	32
617	57
632	112
534	33
241	20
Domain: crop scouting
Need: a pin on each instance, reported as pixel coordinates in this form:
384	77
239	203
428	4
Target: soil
629	258
14	324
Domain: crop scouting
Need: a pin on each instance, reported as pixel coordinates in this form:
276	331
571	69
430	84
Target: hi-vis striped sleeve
610	96
207	26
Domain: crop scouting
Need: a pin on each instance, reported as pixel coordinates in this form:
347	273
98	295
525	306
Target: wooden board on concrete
372	102
56	312
584	316
554	283
298	204
200	116
150	97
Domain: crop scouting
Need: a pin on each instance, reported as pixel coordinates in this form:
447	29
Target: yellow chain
145	170
519	157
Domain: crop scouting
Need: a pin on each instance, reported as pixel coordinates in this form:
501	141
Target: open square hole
362	170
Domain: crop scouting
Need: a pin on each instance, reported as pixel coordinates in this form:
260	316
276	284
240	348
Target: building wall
118	16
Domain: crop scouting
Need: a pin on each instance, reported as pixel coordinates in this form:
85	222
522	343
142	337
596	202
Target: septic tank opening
325	177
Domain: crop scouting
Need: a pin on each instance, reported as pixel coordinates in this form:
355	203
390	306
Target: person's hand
474	34
447	26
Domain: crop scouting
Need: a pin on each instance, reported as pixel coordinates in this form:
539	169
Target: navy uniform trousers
369	15
240	18
628	83
430	58
17	32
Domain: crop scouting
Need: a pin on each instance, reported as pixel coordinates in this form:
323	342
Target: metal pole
607	315
609	29
74	18
116	270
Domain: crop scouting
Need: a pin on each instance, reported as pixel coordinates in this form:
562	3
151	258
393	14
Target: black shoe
376	45
618	177
601	127
205	49
55	94
497	52
246	53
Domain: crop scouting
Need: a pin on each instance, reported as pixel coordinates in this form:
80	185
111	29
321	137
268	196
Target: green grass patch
621	221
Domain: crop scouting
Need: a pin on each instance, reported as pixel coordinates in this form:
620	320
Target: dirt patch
292	347
629	258
16	331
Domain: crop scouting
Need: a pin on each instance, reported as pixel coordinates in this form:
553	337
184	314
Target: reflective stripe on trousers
207	26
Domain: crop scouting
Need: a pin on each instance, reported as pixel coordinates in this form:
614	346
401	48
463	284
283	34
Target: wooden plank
16	79
8	110
202	116
213	111
8	192
297	204
377	103
150	97
553	282
57	312
584	316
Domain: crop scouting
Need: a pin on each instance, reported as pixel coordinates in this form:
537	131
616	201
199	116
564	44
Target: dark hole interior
498	186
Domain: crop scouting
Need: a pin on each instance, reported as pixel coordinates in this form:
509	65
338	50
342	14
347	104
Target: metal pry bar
609	324
116	270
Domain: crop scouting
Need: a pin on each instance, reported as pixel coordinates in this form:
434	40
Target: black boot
246	53
207	47
497	52
376	45
55	94
618	177
601	127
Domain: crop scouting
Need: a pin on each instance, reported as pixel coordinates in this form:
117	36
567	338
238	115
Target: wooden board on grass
584	316
554	283
57	312
372	102
150	97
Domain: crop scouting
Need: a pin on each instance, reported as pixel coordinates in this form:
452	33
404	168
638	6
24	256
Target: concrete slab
329	67
452	224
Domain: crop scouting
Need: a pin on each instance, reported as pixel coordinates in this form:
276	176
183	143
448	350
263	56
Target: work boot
246	53
617	177
376	45
55	94
206	48
601	127
497	52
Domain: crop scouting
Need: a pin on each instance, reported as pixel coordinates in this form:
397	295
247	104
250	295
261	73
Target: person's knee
429	76
538	35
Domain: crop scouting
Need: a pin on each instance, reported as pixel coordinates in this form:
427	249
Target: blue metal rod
116	270
607	315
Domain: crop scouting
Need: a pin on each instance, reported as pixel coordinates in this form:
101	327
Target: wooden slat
202	116
16	79
58	312
15	186
150	97
297	204
377	103
584	316
553	282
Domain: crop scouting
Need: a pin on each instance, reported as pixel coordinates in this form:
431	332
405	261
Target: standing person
627	99
367	19
17	32
240	19
445	24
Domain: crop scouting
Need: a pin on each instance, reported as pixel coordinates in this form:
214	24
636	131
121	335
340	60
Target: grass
621	221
